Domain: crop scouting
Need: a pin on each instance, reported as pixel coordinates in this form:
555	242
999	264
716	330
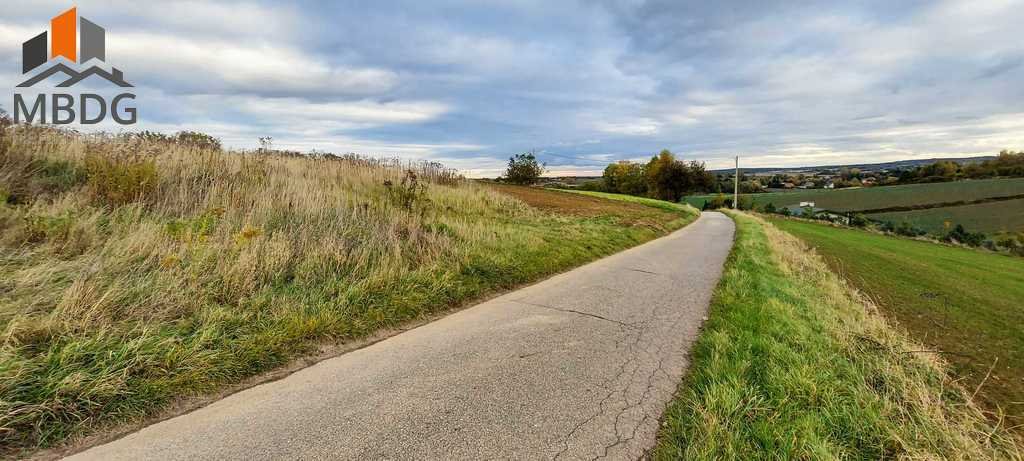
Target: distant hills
866	167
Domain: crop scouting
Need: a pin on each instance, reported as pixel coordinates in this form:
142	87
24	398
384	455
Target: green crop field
874	198
993	217
963	302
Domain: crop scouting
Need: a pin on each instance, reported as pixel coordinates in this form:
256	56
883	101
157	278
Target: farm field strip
991	217
875	198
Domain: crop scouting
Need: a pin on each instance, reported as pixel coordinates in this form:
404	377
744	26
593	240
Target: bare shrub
409	193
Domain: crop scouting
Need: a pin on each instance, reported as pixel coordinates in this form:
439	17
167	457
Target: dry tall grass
136	269
794	364
937	413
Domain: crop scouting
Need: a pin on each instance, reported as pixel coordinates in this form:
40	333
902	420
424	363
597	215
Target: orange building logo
74	48
67	32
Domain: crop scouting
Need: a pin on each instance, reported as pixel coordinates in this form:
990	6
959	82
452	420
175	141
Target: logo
71	44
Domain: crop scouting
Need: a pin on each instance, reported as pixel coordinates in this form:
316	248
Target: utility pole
736	184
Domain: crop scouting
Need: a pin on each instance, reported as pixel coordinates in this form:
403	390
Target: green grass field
790	365
873	198
964	302
990	218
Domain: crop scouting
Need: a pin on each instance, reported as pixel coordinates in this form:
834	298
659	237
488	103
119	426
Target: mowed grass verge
874	198
966	303
631	210
668	206
136	270
793	365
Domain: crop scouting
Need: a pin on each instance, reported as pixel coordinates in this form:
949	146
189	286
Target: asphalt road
579	366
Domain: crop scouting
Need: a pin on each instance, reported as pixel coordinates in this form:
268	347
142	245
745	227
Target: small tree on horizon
524	169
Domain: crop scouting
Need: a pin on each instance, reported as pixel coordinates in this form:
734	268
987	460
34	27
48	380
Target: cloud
637	127
361	112
583	82
205	66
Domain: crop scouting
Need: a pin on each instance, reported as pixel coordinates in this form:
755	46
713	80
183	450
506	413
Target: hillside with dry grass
139	269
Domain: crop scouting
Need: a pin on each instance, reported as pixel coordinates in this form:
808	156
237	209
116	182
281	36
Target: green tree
625	177
945	169
611	177
524	169
664	174
663	177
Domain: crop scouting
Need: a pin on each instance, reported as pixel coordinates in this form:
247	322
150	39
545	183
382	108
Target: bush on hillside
409	194
904	228
194	139
960	235
524	169
718	201
115	182
858	220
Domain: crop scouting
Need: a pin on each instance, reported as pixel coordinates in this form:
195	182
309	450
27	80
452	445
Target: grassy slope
792	366
658	212
994	217
958	300
135	272
634	199
887	196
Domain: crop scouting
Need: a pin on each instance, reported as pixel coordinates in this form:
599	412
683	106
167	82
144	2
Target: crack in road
573	311
638	353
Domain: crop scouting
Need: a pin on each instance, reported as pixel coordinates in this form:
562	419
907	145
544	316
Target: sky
582	83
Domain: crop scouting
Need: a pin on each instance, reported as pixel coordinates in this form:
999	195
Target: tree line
664	177
1006	164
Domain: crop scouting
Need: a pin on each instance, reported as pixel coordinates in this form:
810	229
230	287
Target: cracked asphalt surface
579	366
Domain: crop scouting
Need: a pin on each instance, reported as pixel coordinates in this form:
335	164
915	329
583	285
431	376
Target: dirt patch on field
565	203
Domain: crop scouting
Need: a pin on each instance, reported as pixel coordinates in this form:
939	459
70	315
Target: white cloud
225	19
208	66
364	113
636	127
